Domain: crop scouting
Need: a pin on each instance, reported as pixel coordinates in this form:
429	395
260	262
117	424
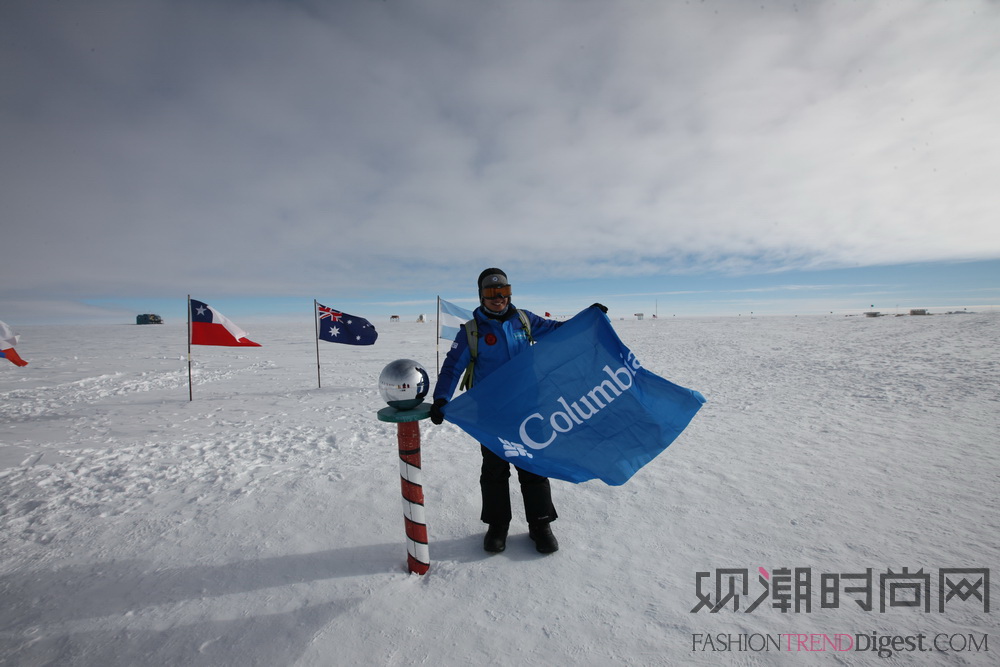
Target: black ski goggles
502	292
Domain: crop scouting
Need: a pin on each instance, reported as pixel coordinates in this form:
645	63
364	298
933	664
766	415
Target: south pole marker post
403	384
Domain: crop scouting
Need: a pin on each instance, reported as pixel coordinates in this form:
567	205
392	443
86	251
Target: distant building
148	318
918	311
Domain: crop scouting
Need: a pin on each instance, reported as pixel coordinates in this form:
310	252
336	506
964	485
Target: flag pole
319	381
437	339
190	390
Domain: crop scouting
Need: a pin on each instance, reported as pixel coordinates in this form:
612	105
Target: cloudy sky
714	156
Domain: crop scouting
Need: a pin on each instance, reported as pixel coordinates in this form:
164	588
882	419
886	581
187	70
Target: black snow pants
494	483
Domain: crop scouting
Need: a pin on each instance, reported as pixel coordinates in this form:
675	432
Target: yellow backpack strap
526	325
472	332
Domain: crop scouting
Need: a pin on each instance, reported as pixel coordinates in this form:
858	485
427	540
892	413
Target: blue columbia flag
576	406
338	327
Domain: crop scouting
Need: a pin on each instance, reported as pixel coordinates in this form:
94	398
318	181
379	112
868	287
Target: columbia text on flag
576	406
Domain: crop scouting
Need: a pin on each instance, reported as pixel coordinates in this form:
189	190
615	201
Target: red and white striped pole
407	422
418	558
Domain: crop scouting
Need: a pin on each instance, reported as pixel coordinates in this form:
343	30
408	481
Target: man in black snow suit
502	332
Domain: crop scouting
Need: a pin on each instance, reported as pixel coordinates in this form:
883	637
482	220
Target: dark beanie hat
491	278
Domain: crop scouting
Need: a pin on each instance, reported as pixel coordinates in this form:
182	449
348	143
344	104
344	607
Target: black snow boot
496	538
541	535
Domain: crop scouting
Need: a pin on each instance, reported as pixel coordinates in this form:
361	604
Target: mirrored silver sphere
403	384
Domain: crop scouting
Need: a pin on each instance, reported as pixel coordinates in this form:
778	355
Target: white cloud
278	146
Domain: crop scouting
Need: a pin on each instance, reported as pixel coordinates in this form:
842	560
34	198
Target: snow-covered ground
261	523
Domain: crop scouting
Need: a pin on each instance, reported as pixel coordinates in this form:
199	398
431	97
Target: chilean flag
8	339
210	327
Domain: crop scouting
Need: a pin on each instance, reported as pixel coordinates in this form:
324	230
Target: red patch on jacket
490	339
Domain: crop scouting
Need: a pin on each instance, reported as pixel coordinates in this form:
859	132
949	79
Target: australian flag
338	327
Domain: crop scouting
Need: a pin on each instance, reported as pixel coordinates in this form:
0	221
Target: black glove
436	415
604	309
